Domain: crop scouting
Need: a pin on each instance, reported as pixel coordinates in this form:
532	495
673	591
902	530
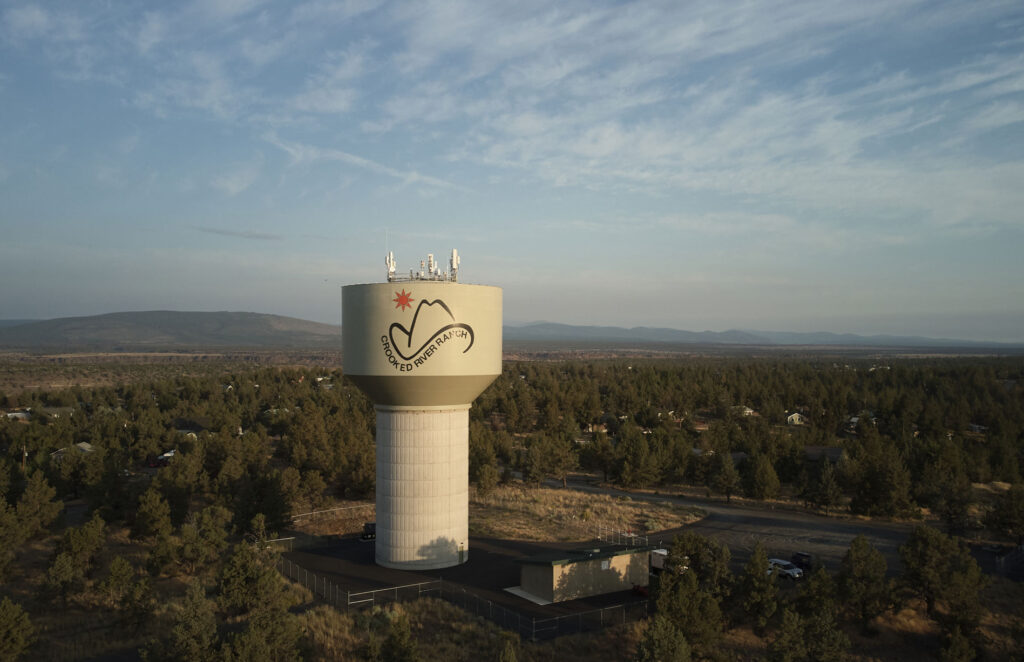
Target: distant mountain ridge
166	329
554	331
549	331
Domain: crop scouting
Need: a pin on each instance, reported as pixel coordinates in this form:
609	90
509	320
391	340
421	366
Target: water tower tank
422	348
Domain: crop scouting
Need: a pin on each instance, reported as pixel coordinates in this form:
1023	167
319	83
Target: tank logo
433	325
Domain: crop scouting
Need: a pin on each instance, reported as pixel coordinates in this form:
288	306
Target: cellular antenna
390	262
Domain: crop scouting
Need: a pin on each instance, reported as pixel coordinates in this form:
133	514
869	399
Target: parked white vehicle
784	569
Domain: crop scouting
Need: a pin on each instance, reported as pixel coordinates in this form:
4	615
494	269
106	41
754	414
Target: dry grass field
520	513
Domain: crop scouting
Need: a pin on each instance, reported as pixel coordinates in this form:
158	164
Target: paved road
781	530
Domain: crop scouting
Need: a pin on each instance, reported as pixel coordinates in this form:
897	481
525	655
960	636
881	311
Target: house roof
567	556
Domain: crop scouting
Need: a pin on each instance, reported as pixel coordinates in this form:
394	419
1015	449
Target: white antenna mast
453	265
390	262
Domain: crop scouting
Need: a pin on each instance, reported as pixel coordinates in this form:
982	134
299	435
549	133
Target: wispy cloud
240	234
305	154
238	177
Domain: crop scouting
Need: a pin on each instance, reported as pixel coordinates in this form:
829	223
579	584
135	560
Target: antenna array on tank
429	270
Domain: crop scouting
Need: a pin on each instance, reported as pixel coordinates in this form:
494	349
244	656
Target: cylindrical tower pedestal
422	487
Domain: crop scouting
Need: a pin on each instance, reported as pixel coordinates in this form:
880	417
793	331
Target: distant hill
170	330
6	323
553	332
566	333
165	329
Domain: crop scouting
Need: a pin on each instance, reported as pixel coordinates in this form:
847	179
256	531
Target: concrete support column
422	487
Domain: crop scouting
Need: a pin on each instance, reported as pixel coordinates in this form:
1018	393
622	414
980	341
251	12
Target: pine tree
941	569
16	632
399	645
706	559
119	579
194	636
825	641
724	478
817	594
662	642
925	556
139	604
956	647
10	537
827	492
153	519
862	581
38	507
759	591
64	576
1007	514
762	481
693	611
247	583
788	644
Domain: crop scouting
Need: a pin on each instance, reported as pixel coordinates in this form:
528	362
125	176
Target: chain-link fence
528	627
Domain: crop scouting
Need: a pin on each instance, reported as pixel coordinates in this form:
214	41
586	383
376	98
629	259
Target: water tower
422	346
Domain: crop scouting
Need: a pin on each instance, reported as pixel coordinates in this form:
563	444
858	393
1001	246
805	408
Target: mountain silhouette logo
432	319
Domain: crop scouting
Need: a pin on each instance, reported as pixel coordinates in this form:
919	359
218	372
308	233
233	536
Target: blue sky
841	166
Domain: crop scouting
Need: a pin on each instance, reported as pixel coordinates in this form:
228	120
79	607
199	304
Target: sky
797	166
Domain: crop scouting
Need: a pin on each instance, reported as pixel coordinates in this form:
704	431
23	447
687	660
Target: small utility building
570	574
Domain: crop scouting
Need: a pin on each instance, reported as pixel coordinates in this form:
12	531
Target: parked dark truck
803	560
369	531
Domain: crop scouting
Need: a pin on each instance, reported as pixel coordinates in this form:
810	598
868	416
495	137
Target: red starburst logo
403	300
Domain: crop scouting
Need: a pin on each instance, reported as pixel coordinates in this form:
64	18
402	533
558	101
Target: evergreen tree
138	605
759	590
10	537
153	519
941	569
825	641
194	637
662	642
204	536
399	645
881	481
762	482
706	559
119	580
694	612
724	478
16	632
817	594
827	492
925	556
38	507
956	647
83	543
788	644
162	555
810	638
638	466
863	585
248	583
64	576
1006	517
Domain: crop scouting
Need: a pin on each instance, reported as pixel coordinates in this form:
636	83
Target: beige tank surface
422	349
